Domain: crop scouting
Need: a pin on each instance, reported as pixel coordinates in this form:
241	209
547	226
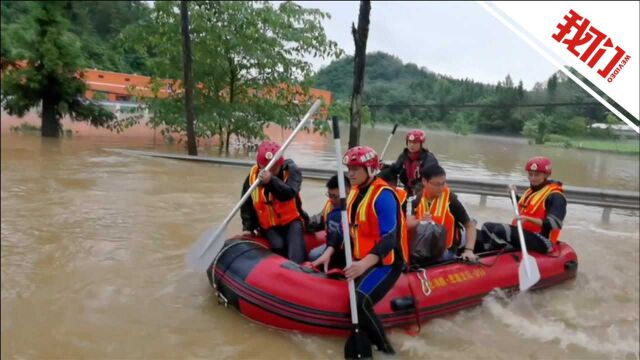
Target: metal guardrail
606	199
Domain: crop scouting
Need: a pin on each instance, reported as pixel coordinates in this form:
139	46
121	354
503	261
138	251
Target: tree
248	64
50	77
188	79
360	36
99	25
536	128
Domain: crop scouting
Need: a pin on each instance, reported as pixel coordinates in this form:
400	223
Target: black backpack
428	244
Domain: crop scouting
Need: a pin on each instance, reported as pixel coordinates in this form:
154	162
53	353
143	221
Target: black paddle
358	345
384	150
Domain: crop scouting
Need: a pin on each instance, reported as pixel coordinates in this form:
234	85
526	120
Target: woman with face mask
413	158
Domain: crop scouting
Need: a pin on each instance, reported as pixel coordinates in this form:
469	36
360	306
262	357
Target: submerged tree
49	76
248	64
188	78
360	35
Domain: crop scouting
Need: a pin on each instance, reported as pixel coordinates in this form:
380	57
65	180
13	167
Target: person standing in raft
440	205
412	159
274	209
542	209
329	220
378	232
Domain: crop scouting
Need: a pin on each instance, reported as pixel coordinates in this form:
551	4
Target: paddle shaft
276	156
523	245
384	150
345	220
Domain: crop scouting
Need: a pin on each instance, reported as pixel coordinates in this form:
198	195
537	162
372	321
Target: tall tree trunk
227	143
50	122
360	36
188	79
232	92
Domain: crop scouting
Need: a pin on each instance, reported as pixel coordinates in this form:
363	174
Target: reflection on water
93	243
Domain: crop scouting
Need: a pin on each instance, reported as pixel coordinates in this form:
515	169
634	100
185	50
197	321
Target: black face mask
543	184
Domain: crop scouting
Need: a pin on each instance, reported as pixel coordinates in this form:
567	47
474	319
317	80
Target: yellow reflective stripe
441	203
352	194
532	202
362	209
540	197
255	195
350	197
326	210
524	197
272	216
378	194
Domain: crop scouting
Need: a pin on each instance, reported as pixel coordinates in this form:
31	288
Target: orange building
124	87
116	86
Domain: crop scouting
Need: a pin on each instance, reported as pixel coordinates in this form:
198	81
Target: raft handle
424	281
222	299
571	265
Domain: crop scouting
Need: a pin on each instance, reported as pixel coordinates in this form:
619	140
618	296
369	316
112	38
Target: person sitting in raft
392	180
378	232
440	205
542	209
329	220
274	209
413	158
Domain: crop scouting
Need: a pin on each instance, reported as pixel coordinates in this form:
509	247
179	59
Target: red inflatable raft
274	291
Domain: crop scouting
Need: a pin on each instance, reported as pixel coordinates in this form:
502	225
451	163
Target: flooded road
93	244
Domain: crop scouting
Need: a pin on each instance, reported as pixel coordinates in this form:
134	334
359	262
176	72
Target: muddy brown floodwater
93	244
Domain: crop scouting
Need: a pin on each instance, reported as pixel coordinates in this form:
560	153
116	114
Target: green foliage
463	124
606	133
99	96
612	120
558	139
238	48
576	126
342	110
393	84
25	127
98	25
43	39
536	128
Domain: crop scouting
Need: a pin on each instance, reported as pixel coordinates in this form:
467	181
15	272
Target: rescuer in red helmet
413	158
274	209
378	233
542	209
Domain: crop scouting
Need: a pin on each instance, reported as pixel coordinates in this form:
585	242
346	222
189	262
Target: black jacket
426	158
280	189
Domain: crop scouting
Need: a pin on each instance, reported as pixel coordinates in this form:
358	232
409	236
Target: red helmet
362	156
266	151
540	164
416	135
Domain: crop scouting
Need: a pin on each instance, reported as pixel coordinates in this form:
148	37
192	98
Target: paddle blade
528	273
205	249
358	345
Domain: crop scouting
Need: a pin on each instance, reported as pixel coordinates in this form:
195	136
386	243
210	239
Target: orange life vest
326	210
532	204
440	213
365	232
402	195
271	212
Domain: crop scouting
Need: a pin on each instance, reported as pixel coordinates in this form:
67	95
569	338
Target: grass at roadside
629	146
